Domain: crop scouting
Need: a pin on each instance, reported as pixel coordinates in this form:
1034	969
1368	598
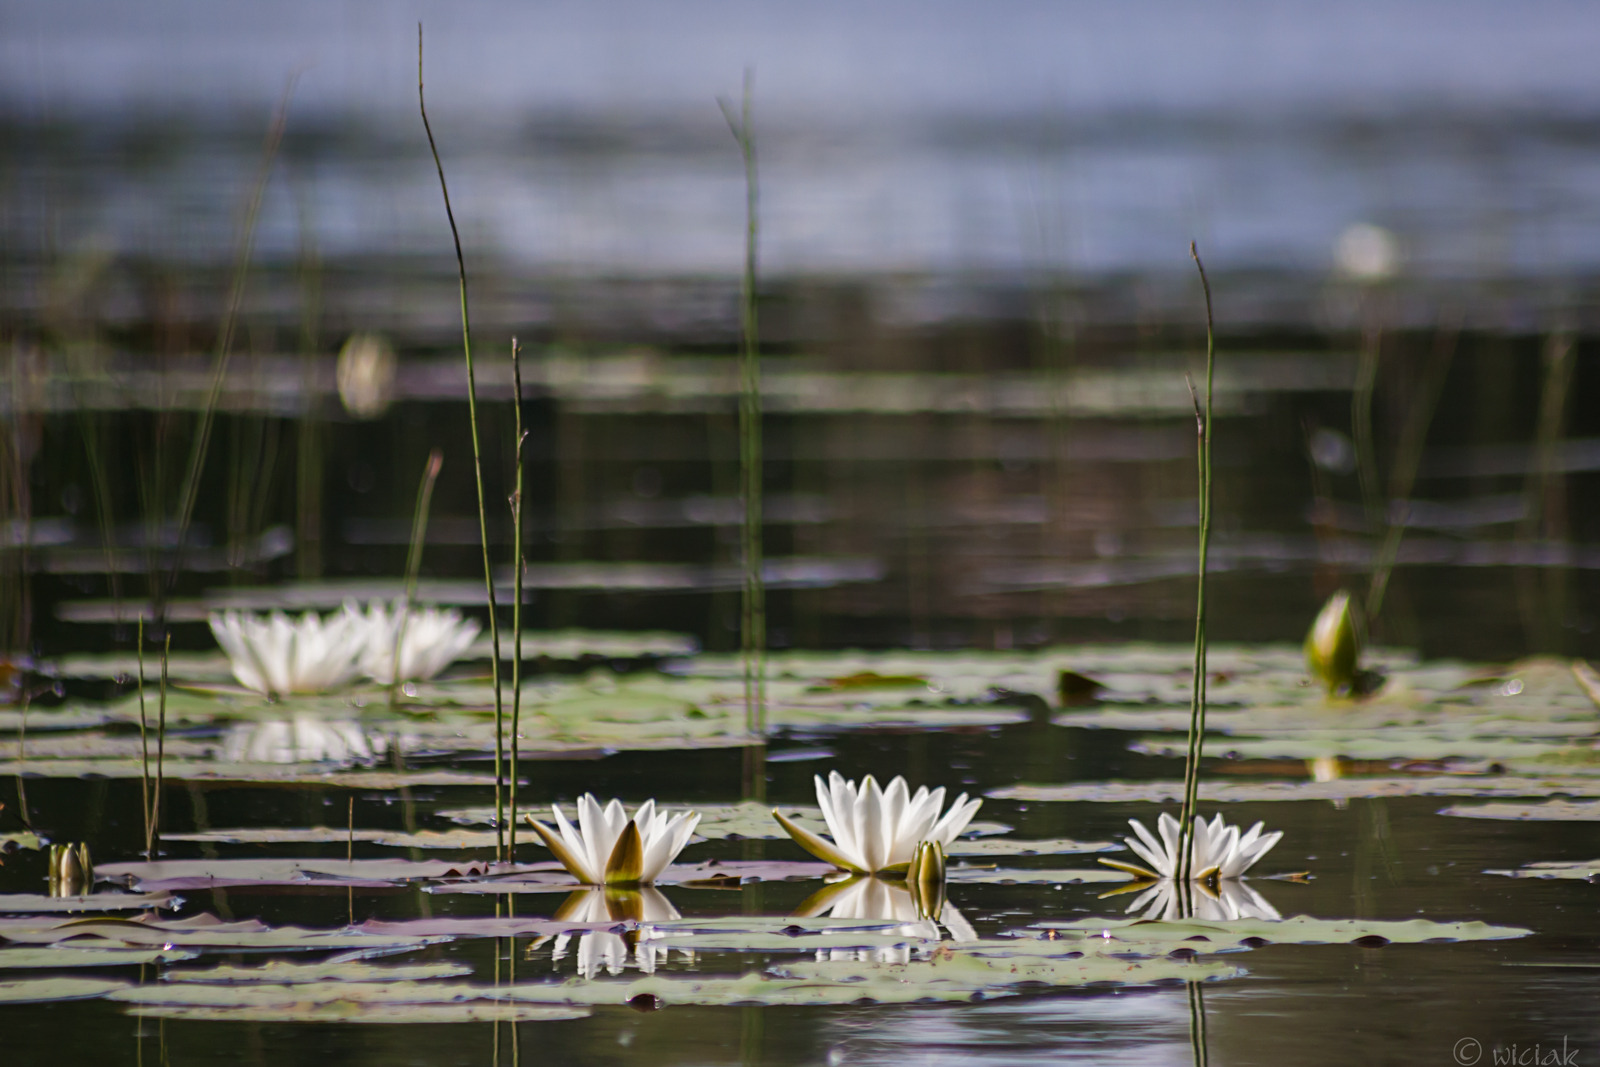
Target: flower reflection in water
606	949
303	738
1211	901
869	898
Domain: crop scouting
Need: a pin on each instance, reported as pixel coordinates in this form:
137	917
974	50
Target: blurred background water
977	303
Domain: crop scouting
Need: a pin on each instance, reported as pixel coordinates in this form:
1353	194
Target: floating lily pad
46	990
217	873
292	972
1298	930
366	1002
1011	846
202	932
949	975
1339	789
70	955
345	1011
1584	870
23	840
1543	810
36	904
1008	876
268	773
313	835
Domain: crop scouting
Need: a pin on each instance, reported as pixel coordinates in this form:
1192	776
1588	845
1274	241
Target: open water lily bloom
878	830
430	639
608	848
275	655
1219	850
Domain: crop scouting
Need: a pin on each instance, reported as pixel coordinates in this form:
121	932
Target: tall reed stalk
477	470
219	366
1408	456
419	534
153	836
144	755
753	617
1197	700
520	436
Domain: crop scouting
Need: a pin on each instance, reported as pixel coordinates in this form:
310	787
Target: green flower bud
1333	647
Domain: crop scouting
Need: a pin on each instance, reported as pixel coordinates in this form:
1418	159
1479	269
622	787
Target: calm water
978	313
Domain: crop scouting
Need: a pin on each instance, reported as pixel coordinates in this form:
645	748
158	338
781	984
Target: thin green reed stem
419	531
219	366
91	427
1197	706
1361	424
753	629
144	753
477	470
1408	454
161	751
520	436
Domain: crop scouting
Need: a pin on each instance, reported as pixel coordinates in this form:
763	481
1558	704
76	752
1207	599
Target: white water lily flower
1222	901
876	830
608	848
431	640
276	656
606	949
1218	850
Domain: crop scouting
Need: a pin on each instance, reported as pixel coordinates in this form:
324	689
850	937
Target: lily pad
1583	870
23	840
949	975
292	972
218	873
1339	789
1005	876
368	1002
344	1011
269	773
46	990
1011	846
314	835
1298	930
37	904
1543	810
71	955
201	932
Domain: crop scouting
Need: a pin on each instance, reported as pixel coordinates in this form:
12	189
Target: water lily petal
819	847
575	862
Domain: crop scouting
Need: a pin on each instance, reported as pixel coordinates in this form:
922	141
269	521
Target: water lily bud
1333	647
71	871
925	878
